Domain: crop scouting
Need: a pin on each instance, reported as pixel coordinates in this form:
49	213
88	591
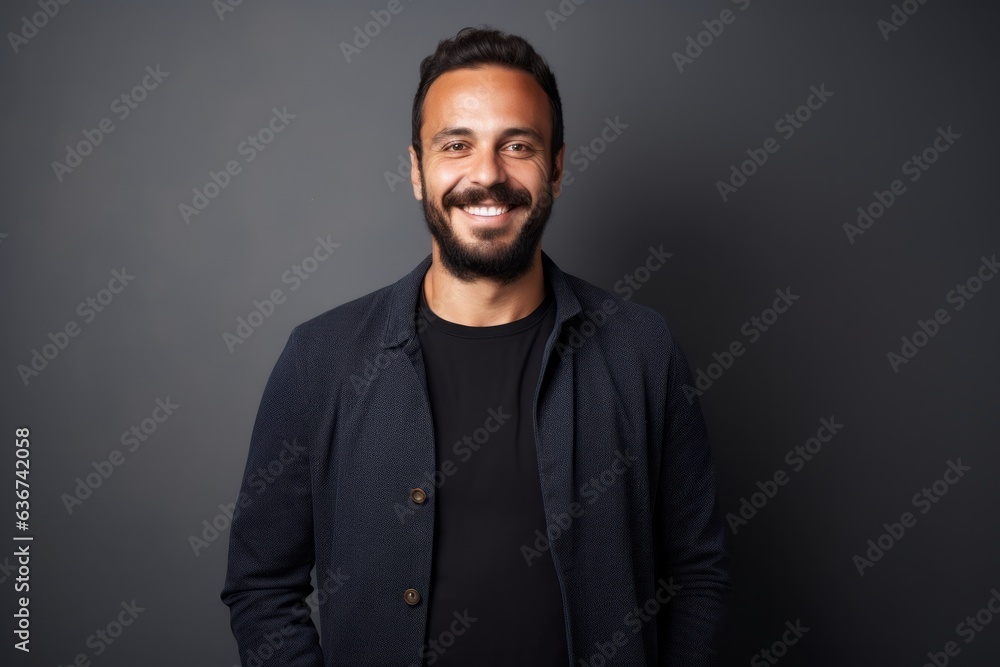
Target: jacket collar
401	321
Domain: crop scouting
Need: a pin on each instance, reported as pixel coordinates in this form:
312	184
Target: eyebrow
506	134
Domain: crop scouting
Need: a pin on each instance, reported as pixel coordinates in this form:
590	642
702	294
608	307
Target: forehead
486	99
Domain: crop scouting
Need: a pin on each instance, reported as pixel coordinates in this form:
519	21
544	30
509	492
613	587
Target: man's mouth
487	211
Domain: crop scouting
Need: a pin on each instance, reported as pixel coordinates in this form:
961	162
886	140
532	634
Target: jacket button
418	495
411	596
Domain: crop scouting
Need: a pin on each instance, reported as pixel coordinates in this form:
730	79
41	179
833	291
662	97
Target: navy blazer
340	476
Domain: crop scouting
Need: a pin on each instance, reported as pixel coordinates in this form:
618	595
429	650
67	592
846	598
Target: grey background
656	184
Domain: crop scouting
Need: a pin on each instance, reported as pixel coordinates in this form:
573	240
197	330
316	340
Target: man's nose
487	168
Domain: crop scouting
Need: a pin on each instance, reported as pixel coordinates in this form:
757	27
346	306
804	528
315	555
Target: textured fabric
488	501
344	433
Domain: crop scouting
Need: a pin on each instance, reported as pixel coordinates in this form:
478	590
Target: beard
488	257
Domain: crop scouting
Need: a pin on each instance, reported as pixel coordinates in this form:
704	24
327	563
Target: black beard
505	264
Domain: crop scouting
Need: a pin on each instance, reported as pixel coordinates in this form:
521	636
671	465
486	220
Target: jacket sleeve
271	551
691	534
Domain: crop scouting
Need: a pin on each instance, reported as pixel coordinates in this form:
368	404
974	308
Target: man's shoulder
616	317
361	322
343	328
361	315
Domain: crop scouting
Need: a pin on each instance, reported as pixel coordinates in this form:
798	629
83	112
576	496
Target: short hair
476	47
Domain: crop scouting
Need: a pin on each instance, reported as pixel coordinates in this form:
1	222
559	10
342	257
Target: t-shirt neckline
505	329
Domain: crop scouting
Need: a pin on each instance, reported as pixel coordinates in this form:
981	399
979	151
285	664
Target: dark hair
475	47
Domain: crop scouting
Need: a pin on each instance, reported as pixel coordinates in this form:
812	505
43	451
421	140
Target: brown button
411	596
418	495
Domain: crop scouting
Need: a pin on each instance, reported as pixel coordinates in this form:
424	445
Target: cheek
530	174
442	181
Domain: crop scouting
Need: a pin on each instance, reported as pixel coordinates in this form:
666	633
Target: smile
487	211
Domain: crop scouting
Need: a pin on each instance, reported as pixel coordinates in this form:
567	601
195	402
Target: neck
482	302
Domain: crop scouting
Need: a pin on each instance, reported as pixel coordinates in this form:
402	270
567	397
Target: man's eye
523	147
450	146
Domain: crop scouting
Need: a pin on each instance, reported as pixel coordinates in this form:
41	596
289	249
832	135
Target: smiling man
495	174
500	464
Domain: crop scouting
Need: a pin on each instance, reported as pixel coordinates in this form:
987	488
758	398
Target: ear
418	192
557	173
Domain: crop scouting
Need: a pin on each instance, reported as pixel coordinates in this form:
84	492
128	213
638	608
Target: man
489	461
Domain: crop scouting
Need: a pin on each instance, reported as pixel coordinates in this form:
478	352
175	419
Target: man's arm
271	551
690	530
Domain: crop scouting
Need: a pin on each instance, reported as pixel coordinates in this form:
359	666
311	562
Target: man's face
485	181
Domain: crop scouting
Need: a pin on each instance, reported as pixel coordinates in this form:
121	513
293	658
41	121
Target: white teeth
485	210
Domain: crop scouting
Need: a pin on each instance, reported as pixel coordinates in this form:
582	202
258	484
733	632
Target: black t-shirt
487	605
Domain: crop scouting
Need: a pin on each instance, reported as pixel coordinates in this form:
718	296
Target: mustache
501	193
